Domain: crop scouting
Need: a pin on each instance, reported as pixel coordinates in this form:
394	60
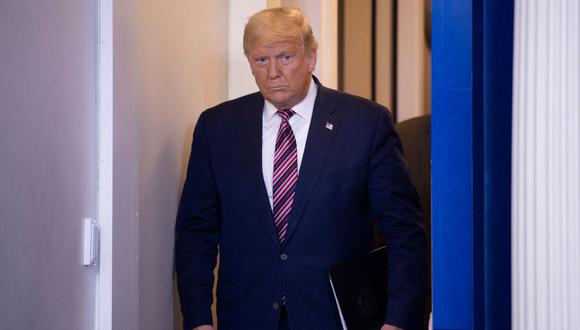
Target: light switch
90	242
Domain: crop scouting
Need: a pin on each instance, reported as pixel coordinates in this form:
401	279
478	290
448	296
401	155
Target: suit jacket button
283	257
275	306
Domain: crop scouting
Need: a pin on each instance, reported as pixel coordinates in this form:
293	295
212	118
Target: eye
261	60
286	58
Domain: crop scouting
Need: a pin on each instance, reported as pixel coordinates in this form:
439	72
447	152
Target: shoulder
229	109
352	106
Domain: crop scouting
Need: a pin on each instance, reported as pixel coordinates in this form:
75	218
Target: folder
360	290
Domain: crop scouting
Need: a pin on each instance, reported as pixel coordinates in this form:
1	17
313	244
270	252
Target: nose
273	69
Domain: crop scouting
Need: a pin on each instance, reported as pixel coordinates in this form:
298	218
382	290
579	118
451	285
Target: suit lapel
249	127
323	127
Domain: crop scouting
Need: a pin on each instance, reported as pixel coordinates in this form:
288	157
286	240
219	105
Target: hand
390	327
203	327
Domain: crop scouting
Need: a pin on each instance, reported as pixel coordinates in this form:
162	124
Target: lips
276	88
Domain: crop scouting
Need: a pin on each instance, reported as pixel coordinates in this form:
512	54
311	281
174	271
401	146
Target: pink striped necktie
285	174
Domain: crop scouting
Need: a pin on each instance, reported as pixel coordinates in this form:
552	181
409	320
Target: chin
278	101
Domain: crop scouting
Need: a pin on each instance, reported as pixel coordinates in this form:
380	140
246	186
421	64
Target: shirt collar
303	109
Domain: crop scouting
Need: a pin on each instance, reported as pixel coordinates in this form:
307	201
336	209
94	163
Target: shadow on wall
177	318
159	157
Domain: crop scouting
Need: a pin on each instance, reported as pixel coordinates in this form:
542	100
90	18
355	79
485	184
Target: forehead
264	47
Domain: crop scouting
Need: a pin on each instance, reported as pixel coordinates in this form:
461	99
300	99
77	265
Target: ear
311	61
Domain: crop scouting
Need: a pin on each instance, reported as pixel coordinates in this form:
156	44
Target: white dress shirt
300	122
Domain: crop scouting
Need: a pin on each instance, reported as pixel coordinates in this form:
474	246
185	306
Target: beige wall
411	60
125	295
356	52
384	53
413	55
168	69
182	72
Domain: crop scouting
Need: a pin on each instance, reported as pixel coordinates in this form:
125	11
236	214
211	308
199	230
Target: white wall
47	162
240	80
323	16
546	166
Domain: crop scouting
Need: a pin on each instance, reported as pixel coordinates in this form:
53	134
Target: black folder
360	290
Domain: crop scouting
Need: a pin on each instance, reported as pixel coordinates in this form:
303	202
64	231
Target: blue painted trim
472	50
478	72
452	164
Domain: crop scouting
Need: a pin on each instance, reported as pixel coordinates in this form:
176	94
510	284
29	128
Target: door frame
104	279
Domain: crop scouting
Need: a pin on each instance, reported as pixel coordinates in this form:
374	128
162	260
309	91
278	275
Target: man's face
282	71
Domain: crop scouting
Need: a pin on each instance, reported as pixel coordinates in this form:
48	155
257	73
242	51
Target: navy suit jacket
351	175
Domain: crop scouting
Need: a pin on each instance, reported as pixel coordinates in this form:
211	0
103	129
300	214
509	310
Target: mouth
276	88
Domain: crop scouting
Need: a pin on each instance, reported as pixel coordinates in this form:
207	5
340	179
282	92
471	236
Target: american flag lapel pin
329	126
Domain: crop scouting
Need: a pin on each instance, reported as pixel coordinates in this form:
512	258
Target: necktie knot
285	114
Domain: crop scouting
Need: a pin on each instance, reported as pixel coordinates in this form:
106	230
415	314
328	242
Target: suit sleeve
396	206
197	234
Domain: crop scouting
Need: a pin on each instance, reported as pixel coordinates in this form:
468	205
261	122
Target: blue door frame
472	47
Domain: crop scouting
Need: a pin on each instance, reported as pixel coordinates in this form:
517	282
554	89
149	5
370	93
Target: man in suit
288	182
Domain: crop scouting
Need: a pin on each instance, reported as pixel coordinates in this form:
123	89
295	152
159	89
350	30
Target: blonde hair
279	24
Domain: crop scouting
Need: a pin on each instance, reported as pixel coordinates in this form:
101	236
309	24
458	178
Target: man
288	182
